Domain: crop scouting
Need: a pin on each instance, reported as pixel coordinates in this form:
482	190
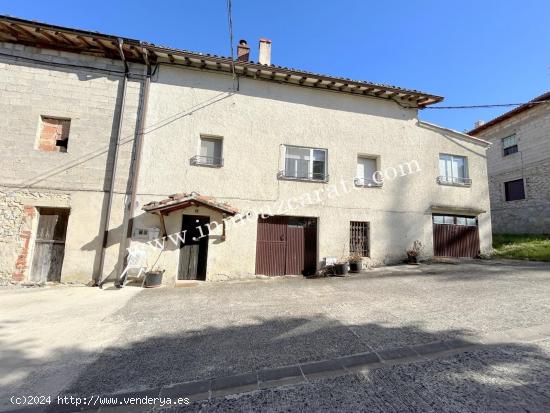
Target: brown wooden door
49	247
452	240
286	246
194	252
271	246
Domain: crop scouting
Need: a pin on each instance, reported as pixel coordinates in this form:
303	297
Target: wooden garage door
286	246
455	236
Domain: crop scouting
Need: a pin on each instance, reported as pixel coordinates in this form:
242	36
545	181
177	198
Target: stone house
212	168
518	163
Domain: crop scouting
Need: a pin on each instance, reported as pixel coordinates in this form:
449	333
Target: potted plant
341	268
355	262
153	278
414	252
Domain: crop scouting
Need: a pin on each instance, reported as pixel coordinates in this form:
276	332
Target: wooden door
286	246
49	246
271	245
194	251
453	240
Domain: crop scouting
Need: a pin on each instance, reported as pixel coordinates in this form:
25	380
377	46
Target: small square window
211	148
509	145
514	190
54	134
471	222
367	175
461	221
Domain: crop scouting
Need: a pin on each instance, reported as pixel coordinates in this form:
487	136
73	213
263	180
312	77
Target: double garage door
455	236
286	246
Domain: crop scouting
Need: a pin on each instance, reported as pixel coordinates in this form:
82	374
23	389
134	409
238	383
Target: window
359	238
54	134
366	169
455	220
210	152
305	163
514	190
453	170
509	145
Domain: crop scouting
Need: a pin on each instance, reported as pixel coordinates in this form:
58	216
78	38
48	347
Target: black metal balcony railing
454	180
315	176
367	183
211	161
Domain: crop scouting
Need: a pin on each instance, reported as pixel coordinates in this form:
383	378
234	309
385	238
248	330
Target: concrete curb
304	372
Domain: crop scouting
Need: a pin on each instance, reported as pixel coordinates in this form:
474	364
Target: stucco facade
531	163
255	122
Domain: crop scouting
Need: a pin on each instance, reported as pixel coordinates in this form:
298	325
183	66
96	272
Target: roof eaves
511	113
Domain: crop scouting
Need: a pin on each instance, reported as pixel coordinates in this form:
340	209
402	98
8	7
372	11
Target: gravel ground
220	329
137	339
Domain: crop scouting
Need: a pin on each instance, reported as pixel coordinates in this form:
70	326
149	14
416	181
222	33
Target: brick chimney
264	56
243	51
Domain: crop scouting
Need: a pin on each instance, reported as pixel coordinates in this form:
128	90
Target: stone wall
531	162
529	215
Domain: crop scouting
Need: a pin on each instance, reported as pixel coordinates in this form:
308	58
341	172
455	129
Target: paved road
167	336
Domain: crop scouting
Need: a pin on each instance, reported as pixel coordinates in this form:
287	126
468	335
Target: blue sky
471	52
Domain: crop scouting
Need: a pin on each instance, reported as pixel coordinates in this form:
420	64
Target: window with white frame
453	170
366	172
305	163
509	145
210	152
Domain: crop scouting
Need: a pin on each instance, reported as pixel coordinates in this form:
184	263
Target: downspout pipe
110	194
126	234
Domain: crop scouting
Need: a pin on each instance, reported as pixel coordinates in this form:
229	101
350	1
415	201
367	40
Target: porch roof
183	200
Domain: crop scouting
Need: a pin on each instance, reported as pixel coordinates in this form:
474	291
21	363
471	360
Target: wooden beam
67	40
85	41
302	80
45	34
171	57
162	223
12	31
23	30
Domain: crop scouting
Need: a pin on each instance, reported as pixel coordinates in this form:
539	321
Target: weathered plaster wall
76	179
257	120
532	163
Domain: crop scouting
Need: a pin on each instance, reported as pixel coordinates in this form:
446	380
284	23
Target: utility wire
497	105
230	26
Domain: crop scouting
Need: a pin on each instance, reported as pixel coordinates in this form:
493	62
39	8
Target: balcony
309	177
454	181
367	183
209	161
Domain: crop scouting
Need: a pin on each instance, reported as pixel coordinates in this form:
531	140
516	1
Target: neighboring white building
339	165
519	167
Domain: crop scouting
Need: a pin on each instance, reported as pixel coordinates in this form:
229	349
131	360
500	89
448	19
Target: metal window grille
359	238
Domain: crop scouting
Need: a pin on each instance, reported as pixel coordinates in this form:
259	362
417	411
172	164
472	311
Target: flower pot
412	259
153	279
341	268
355	266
